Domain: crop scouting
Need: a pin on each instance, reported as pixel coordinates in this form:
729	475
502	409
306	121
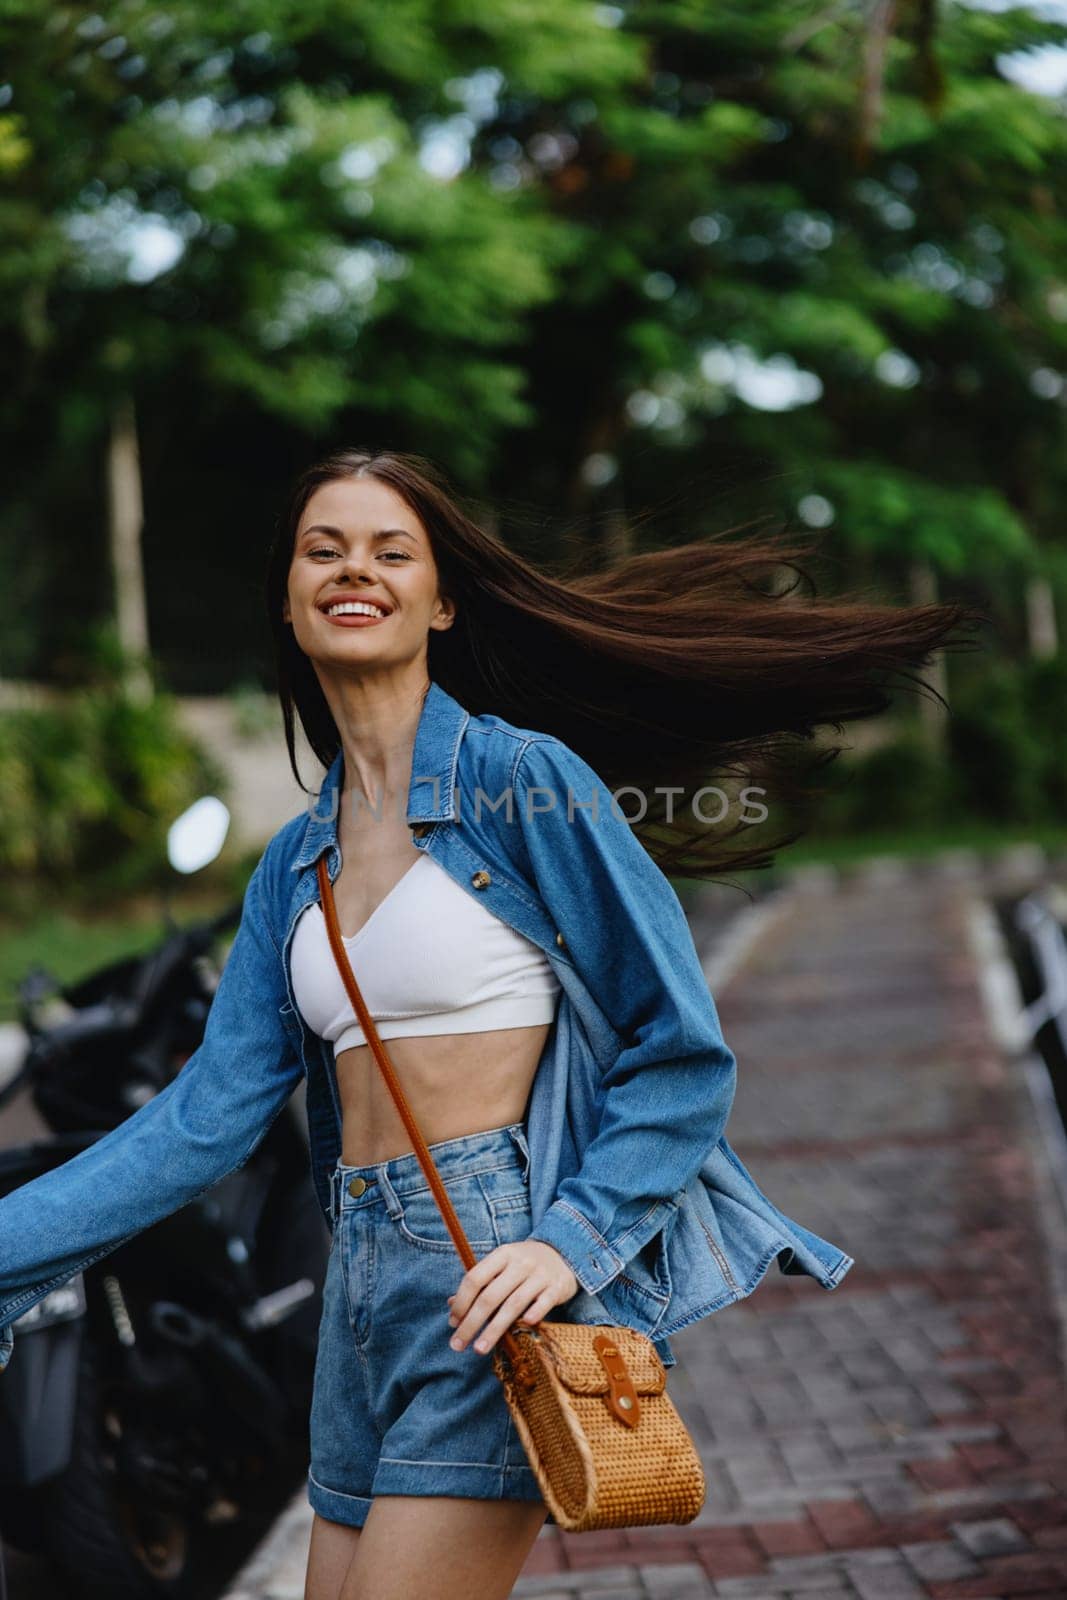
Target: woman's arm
666	1098
203	1124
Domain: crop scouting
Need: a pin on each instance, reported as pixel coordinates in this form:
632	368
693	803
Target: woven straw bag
589	1401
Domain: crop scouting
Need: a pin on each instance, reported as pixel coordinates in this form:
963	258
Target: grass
986	838
913	844
72	943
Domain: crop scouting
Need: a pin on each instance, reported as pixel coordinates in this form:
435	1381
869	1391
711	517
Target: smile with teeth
355	608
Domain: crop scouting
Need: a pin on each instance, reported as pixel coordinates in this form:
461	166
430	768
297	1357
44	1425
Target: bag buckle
622	1396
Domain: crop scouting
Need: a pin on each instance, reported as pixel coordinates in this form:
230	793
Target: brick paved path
904	1435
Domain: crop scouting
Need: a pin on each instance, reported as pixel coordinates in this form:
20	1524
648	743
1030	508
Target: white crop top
428	959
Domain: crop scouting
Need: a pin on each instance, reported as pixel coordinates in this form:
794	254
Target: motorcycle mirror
197	836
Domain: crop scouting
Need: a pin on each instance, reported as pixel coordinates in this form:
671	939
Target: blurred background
631	273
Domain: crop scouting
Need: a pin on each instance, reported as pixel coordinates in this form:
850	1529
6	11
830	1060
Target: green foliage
1002	763
1009	761
962	531
614	230
901	784
317	261
90	784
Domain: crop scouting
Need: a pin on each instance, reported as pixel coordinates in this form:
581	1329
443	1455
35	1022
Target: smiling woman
671	668
574	1084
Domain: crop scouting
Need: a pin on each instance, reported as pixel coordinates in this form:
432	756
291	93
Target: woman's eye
325	550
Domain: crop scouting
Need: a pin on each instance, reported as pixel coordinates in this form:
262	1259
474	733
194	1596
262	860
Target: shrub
90	784
901	784
1003	759
1003	741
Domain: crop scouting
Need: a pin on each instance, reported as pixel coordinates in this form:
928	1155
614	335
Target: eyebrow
381	533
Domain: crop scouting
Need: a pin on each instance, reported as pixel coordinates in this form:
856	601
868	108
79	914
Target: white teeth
356	608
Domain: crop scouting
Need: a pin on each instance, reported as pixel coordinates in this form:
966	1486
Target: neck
377	722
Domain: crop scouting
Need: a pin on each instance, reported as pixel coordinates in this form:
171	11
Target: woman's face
359	540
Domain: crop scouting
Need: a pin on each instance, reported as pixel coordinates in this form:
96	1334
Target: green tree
825	255
580	252
270	201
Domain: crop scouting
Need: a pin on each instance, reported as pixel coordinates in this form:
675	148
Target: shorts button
357	1186
420	828
481	879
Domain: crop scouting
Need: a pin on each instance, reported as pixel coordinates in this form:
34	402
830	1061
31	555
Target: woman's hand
520	1281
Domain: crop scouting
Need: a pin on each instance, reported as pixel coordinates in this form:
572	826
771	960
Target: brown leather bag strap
370	1033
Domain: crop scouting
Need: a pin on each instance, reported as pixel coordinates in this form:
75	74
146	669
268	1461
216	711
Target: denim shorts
396	1410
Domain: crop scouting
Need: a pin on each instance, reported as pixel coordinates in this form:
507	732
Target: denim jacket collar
431	792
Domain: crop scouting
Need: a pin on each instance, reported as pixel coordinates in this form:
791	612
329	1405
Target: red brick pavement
904	1435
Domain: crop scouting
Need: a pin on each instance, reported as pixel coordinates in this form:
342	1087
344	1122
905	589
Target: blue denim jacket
632	1179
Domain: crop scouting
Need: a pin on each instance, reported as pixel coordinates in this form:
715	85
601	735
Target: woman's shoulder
495	746
281	851
492	724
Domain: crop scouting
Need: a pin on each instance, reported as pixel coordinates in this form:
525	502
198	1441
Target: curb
1040	1124
277	1567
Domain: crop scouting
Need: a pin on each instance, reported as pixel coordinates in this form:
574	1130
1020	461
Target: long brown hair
675	669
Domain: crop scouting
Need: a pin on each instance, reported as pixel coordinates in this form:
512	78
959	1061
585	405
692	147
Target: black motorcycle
156	1406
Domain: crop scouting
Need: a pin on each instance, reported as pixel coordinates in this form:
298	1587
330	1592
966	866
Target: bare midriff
455	1083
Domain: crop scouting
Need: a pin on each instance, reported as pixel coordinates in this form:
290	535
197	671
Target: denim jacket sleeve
206	1122
665	1100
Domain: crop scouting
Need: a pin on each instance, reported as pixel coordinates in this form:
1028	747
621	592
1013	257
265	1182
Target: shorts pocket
421	1223
512	1217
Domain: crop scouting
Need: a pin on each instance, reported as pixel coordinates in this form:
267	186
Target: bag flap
569	1346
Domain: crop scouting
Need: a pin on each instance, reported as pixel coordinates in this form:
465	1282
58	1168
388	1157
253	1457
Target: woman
529	965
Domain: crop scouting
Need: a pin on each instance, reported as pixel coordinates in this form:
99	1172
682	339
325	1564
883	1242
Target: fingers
479	1277
515	1281
540	1307
508	1311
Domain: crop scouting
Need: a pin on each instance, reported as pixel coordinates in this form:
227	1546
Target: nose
356	567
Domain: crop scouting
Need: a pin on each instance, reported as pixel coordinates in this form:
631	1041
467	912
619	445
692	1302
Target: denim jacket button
420	828
481	879
561	941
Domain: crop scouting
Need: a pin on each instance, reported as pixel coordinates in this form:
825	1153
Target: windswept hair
674	670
